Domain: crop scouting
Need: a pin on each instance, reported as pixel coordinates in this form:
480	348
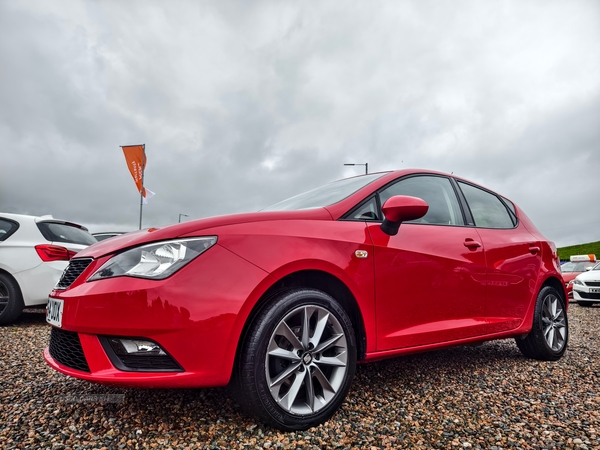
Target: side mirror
589	268
401	208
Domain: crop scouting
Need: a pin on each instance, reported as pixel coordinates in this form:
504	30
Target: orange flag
136	161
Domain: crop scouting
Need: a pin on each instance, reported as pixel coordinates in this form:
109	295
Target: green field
593	248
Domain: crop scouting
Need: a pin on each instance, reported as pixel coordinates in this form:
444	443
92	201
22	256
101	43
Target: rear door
513	258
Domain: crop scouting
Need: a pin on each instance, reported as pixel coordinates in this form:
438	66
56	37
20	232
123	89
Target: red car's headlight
155	261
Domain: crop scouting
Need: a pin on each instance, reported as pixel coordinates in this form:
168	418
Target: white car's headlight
155	261
576	281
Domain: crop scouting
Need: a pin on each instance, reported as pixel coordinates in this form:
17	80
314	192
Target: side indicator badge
361	253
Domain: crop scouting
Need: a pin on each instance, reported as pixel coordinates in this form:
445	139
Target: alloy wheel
553	322
306	360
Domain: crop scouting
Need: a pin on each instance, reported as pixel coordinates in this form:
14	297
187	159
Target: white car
586	287
34	251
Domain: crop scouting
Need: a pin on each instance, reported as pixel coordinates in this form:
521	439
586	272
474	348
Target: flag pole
142	190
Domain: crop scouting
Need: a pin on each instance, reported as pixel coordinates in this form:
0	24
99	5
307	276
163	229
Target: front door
430	277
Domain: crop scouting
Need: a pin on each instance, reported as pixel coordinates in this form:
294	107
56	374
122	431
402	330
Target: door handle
471	244
534	249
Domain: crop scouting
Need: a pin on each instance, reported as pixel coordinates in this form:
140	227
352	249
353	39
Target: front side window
436	191
487	209
366	211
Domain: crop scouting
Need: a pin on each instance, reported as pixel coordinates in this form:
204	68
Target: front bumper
585	293
101	370
196	316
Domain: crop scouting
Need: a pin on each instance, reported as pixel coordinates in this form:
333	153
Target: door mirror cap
401	208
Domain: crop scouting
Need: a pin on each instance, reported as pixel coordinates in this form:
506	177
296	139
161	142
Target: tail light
54	253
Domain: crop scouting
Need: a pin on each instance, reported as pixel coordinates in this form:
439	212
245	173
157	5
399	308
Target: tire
585	304
11	300
297	361
549	335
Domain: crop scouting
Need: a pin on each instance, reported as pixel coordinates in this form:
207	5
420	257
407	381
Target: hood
590	275
195	228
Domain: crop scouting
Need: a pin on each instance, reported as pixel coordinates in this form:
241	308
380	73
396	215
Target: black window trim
12	231
513	217
464	205
513	214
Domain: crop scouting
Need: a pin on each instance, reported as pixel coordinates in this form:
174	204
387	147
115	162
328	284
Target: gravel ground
467	397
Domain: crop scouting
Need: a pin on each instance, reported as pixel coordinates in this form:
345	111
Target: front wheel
548	338
297	361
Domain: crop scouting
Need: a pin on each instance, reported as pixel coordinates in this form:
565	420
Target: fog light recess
138	355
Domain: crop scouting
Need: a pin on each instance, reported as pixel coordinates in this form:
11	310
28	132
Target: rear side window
487	209
62	232
7	227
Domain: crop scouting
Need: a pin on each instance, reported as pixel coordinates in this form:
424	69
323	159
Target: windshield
576	266
325	195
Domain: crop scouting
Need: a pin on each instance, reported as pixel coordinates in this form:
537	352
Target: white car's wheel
11	300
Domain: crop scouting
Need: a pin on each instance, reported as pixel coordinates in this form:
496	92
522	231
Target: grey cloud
241	104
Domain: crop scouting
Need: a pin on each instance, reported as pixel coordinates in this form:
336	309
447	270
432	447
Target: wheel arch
558	285
552	281
9	275
312	279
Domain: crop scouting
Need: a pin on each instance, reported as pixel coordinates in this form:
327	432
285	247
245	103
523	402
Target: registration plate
594	290
54	311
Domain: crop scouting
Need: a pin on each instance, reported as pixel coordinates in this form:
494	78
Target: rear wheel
297	362
548	338
11	300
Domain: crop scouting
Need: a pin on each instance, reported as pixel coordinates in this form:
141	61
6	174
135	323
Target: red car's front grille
72	272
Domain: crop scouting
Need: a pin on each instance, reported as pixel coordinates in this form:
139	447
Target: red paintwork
567	277
405	208
427	287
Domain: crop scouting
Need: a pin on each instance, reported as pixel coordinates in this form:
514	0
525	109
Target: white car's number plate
595	290
54	311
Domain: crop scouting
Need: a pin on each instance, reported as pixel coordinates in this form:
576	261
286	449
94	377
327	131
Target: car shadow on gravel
30	316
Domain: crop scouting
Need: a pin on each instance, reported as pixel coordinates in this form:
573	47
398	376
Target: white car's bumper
585	293
36	283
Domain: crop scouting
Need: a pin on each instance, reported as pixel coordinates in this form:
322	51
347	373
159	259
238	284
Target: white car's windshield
325	195
576	266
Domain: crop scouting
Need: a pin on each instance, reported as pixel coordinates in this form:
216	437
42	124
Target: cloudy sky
244	103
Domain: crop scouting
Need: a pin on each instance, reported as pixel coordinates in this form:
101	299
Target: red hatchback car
282	304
